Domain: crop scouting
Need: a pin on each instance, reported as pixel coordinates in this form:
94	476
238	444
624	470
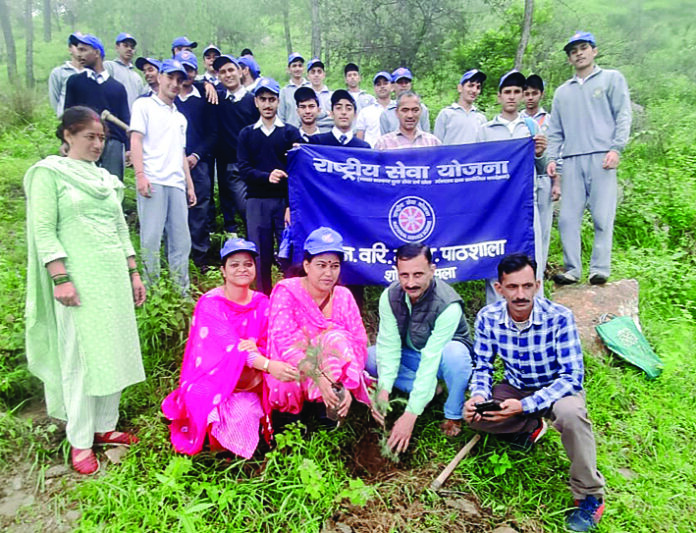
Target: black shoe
526	441
598	279
563	278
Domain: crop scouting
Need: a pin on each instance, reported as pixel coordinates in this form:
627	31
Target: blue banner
472	204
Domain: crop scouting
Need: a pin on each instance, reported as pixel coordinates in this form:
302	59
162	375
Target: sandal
84	461
115	438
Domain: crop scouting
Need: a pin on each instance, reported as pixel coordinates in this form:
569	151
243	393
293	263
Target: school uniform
56	85
101	91
362	99
261	150
166	211
287	107
368	122
500	129
589	118
127	76
201	135
456	125
336	137
235	111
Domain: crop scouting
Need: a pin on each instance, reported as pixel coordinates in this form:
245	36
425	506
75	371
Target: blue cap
323	240
186	57
267	84
472	75
294	57
382	74
123	36
232	246
250	62
210	47
512	78
142	61
89	40
73	37
401	72
183	41
223	60
170	66
315	62
580	37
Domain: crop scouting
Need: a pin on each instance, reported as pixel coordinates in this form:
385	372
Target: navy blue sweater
232	118
328	139
111	95
259	154
202	129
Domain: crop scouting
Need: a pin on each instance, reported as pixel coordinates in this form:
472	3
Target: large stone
590	302
504	529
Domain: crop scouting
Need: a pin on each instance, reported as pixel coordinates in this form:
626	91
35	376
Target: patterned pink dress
206	402
295	320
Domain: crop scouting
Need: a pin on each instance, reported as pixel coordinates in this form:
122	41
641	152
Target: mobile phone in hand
491	405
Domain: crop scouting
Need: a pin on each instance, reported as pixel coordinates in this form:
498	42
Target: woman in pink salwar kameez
312	311
221	394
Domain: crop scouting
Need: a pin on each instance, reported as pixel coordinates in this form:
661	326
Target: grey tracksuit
589	118
497	130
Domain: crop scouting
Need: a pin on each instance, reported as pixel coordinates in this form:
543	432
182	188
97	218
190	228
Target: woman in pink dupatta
313	311
221	391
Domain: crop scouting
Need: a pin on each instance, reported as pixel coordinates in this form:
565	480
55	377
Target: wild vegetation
646	430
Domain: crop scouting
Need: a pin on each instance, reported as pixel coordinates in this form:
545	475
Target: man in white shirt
163	180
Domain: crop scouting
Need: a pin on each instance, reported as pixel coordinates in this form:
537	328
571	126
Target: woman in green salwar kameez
82	284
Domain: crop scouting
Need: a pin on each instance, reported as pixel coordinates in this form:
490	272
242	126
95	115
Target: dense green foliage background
645	430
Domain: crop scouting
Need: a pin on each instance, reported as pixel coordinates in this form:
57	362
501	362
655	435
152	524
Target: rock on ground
589	302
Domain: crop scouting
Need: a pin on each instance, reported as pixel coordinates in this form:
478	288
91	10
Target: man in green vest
423	336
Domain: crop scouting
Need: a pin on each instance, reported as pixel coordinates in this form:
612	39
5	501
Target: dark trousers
265	222
213	170
232	196
113	157
198	214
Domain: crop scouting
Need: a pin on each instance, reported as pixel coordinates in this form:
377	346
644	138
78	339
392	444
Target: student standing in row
460	122
351	73
343	112
236	109
367	125
308	110
250	72
95	88
162	177
210	54
590	123
59	76
262	152
510	125
316	75
122	68
201	134
286	107
150	69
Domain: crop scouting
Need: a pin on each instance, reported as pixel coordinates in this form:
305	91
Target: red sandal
84	461
115	438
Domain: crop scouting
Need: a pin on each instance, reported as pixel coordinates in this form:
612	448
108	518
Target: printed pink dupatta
210	370
294	319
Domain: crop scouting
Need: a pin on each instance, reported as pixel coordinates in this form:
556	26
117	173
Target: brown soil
30	480
366	460
403	505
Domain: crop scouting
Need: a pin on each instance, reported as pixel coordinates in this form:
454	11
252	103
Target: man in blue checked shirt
539	345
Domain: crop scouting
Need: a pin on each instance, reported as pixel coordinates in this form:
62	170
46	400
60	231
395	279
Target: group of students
232	123
306	348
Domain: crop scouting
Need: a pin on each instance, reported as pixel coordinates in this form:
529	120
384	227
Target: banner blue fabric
472	204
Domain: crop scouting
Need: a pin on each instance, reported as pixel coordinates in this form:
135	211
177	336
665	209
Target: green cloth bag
622	337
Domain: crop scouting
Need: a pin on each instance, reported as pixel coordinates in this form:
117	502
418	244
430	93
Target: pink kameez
296	319
206	402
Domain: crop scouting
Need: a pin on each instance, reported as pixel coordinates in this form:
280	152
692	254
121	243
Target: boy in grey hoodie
590	123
